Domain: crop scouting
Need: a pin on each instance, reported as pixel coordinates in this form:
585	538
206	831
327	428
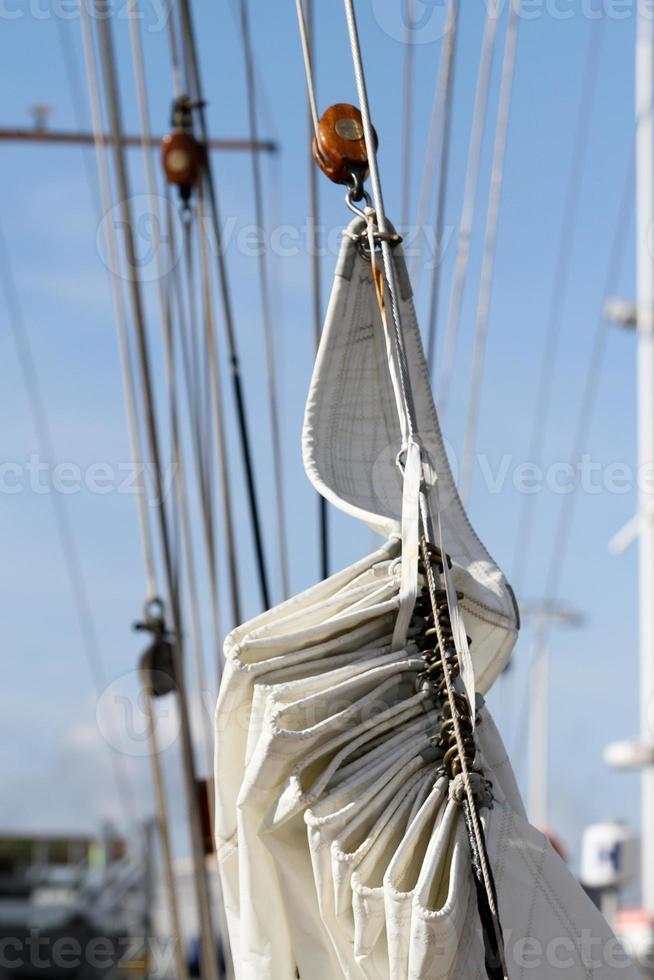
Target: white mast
645	328
543	614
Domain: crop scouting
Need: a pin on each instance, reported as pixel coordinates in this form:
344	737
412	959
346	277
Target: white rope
266	315
173	43
167	332
126	361
444	166
493	11
216	398
102	16
438	126
492	220
407	127
408	418
305	39
163	823
316	288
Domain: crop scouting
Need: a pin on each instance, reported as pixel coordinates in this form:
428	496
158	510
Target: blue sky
55	772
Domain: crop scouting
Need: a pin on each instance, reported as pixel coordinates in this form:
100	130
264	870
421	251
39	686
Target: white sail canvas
343	850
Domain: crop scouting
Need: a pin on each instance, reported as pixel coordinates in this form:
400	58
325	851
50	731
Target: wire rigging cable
102	16
307	34
193	71
442	112
216	398
305	26
180	497
77	580
560	284
264	292
490	241
407	112
437	126
480	112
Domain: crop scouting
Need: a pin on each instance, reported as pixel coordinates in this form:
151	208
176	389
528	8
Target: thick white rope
488	261
408	418
493	11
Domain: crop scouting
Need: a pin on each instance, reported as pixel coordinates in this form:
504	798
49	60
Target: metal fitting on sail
157	660
432	678
181	153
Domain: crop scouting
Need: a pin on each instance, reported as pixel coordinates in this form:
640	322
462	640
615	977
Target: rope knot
480	786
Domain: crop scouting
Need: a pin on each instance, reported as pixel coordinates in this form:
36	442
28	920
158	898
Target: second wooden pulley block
340	147
181	153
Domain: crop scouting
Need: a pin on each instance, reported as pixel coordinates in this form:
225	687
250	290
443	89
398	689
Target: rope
306	37
400	372
408	415
126	360
116	128
173	44
567	237
75	88
490	240
194	72
264	291
203	448
169	353
212	359
65	532
446	86
480	112
438	125
163	824
407	128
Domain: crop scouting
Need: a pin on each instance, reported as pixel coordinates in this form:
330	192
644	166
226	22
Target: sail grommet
339	147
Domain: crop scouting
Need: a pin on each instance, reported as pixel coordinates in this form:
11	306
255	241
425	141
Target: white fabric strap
410	542
412	480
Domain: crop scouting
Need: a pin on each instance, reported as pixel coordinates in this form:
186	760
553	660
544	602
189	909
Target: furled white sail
342	844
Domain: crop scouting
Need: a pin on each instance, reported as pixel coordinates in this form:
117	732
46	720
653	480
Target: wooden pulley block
181	157
340	150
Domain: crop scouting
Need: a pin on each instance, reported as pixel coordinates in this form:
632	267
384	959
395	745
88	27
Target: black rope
491	926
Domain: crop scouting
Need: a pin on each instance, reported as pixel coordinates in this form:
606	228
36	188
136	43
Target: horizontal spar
66	136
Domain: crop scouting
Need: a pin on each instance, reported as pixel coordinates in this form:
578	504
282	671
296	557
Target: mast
645	342
543	614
